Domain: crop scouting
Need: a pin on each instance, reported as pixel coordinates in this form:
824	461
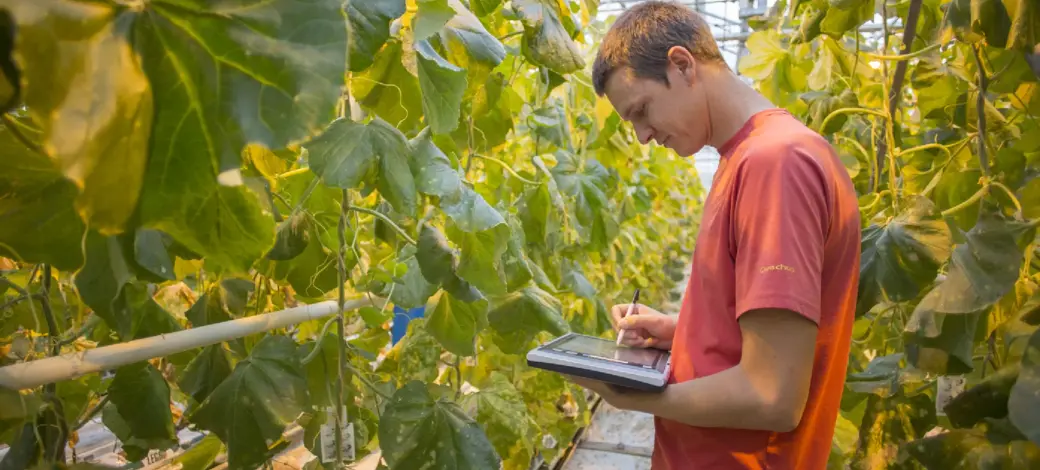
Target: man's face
672	115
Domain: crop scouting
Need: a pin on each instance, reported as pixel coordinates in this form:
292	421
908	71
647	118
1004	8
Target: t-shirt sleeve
781	220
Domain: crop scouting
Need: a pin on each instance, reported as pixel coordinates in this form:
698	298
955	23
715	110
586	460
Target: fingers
618	312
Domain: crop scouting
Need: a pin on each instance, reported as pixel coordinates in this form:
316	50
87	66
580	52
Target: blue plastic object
401	319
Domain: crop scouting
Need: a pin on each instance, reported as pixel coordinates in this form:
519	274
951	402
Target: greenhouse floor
615	440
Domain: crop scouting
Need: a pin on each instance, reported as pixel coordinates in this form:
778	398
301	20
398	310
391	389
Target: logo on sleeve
775	267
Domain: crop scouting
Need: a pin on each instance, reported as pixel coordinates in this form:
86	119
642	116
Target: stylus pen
621	332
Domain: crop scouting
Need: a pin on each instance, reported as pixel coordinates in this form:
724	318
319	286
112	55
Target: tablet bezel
616	372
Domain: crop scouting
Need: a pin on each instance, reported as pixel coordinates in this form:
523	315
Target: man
760	346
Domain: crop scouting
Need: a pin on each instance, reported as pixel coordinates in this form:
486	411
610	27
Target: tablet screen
608	350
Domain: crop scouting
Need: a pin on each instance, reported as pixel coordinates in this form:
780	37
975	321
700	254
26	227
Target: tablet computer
601	359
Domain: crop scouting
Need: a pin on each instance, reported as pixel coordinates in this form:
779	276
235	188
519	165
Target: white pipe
69	366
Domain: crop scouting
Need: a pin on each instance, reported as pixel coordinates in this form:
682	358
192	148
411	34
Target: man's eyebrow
628	111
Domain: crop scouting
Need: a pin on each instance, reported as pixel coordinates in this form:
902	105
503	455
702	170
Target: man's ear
684	62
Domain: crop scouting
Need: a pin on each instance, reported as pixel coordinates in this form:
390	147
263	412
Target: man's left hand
615	396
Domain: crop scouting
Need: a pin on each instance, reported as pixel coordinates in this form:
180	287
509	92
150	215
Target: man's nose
644	134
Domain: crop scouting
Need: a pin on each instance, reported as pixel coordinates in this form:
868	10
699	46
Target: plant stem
303	197
14	127
1011	195
386	219
980	110
905	55
836	112
506	167
920	148
365	381
53	449
341	322
291	173
90	414
967	203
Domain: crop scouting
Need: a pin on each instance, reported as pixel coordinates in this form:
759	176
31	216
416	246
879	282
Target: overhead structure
729	21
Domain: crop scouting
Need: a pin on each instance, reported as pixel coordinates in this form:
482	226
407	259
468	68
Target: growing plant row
171	165
936	118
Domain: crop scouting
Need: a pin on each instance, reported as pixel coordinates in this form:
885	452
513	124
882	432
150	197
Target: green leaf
442	84
527	312
349	153
422	427
540	211
982	269
977	20
588	182
485	7
208	309
388	89
292	238
1025	24
436	258
468	44
470	212
411	289
202	455
983	447
82	82
987	399
370	23
16	408
492	108
38	222
313	272
142	399
321	371
431	17
102	278
546	41
500	409
889	423
480	261
456	323
206	372
1024	403
845	15
901	257
211	71
941	343
955	187
250	410
415	356
151	260
434	173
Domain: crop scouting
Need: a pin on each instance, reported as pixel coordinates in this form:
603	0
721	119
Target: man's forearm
727	399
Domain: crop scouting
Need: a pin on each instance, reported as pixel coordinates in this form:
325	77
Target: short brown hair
641	37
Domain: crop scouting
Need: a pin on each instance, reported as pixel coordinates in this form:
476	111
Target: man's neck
731	103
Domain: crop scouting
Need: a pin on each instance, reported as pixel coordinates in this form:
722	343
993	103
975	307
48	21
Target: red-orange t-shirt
780	229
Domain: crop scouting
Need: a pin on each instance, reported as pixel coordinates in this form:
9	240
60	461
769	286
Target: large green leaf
587	182
411	289
434	173
370	24
480	260
422	427
456	323
1025	24
941	343
206	372
102	278
349	153
414	357
435	256
982	269
500	409
470	212
990	446
250	410
771	62
987	399
442	84
845	15
142	401
901	257
1024	402
546	41
880	377
314	271
491	108
83	84
38	222
388	89
887	424
977	20
430	18
468	43
265	72
527	312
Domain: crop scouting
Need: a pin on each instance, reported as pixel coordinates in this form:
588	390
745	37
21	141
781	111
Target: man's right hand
645	327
